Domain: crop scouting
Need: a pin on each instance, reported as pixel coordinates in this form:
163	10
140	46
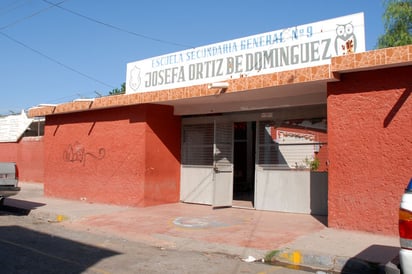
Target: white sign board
12	127
297	47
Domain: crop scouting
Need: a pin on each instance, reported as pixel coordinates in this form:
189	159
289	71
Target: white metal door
223	164
197	175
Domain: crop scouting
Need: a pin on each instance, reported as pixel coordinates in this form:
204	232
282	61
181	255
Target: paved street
175	238
35	245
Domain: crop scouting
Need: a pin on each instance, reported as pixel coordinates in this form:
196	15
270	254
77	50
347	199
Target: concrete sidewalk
298	239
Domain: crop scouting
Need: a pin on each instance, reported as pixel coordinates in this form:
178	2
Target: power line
30	16
53	5
11	7
118	28
43	54
54	60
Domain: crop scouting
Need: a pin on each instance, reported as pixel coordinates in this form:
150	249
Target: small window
36	128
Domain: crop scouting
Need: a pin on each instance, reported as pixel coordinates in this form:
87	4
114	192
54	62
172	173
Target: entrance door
244	164
223	164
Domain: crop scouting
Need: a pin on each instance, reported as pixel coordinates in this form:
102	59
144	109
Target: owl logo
345	42
134	80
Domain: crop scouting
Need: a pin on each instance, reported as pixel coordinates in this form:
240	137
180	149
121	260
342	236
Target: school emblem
345	42
134	81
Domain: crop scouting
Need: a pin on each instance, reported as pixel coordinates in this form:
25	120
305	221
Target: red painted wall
8	152
115	155
370	148
162	157
28	154
30	159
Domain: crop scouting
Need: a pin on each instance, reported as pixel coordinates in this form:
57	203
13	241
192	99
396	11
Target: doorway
244	146
218	162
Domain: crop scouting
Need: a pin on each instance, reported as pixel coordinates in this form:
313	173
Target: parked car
9	179
405	230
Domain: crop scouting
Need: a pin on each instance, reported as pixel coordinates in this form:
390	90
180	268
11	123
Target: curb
291	256
334	263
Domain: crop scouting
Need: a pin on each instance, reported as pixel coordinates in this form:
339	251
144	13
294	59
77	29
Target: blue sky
53	55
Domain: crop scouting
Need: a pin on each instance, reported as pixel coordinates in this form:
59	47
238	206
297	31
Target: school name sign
297	47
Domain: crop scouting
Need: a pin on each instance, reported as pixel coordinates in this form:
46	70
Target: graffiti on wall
76	152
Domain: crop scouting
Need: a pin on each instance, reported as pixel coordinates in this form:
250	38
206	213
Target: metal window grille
197	144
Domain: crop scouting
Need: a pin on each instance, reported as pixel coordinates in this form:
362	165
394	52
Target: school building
301	120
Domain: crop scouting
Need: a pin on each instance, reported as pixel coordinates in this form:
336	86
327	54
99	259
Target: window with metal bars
197	144
268	149
291	144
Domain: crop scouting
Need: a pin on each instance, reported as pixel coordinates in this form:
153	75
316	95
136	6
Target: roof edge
370	60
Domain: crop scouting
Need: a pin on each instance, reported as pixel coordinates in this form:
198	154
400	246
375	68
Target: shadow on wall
374	259
399	103
159	118
166	127
28	251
